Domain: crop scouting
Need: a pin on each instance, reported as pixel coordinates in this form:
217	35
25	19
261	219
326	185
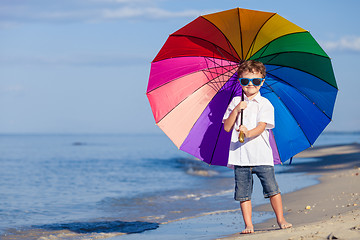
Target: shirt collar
257	98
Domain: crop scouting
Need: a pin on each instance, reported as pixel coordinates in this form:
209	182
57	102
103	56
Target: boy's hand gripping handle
241	137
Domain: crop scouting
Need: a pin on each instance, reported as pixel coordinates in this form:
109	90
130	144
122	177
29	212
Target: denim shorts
244	181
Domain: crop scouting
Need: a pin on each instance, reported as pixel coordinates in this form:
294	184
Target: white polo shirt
254	151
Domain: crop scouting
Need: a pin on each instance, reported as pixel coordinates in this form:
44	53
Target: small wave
197	168
203	214
202	172
200	195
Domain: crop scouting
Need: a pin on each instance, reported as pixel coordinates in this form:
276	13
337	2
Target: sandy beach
328	210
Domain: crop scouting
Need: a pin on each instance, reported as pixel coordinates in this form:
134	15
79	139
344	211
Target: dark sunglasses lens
244	81
256	81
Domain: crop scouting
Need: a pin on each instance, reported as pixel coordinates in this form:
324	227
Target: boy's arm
230	121
255	131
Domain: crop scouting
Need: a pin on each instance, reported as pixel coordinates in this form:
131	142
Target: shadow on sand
341	157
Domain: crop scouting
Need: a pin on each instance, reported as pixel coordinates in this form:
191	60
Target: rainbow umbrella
193	79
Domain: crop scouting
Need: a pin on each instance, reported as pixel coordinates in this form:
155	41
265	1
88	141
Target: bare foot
248	229
284	225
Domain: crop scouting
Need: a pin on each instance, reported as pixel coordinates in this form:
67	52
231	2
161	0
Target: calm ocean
87	182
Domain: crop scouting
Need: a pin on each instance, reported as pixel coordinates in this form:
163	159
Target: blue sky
82	66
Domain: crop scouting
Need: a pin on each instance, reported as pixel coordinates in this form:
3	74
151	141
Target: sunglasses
255	81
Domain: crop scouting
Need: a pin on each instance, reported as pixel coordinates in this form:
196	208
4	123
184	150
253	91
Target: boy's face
250	90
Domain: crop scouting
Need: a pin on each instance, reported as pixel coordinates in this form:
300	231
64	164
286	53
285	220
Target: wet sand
328	210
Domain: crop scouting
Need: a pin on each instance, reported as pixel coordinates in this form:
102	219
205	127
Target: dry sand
329	210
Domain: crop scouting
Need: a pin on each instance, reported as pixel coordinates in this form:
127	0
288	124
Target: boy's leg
246	210
243	191
266	175
276	204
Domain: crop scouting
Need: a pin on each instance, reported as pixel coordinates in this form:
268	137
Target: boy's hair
252	66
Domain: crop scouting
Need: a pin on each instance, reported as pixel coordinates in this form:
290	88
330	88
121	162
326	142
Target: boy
255	154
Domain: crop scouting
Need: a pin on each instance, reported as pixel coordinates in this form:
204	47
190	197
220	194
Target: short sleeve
266	114
229	109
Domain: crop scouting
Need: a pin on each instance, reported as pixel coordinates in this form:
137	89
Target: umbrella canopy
194	77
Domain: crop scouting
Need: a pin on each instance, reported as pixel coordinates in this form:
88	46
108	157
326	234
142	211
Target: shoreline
323	211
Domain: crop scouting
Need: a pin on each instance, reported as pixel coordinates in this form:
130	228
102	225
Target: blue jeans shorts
244	181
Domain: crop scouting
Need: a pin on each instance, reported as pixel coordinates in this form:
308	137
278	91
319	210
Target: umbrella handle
241	137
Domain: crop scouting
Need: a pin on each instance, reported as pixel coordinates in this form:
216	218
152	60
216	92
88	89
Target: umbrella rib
220	75
223	55
207	83
235	55
182	35
181	76
309	53
216	69
273	57
253	41
277	54
211	73
216	88
227	40
277	78
275	68
241	41
217	75
267	45
231	48
290	113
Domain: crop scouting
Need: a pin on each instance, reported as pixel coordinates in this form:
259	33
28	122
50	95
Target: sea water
105	183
